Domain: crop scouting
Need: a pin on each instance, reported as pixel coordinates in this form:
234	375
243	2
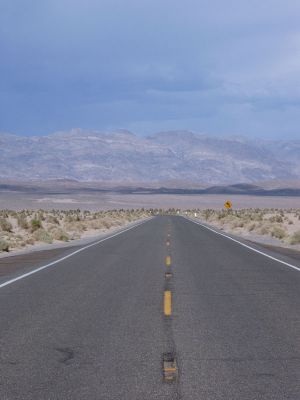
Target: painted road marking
169	367
168	261
168	242
245	245
167	303
68	256
168	275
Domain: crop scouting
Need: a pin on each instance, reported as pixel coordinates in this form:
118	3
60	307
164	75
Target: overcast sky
215	66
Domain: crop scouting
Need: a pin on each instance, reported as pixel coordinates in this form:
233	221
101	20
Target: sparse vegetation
35	224
278	232
295	238
4	246
5	225
27	227
279	224
41	235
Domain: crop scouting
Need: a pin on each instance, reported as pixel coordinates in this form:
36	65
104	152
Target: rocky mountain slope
167	156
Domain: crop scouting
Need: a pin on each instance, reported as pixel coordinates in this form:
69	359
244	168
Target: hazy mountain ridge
122	156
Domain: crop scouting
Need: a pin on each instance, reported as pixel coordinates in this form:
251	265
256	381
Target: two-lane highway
95	326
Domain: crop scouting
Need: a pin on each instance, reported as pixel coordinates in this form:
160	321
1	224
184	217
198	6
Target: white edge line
9	282
245	245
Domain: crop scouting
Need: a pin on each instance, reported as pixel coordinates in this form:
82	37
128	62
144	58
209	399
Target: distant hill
121	156
68	187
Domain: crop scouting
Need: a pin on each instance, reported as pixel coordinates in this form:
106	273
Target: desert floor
105	201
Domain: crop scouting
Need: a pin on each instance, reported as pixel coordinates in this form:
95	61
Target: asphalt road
96	325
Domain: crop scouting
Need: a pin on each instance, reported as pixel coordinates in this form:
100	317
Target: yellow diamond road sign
228	204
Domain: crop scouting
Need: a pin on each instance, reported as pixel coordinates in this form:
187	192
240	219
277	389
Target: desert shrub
4	246
74	227
22	222
276	218
59	234
35	224
237	224
107	224
51	219
40	215
5	225
74	236
264	230
42	235
278	232
97	224
223	214
72	218
251	227
208	214
295	238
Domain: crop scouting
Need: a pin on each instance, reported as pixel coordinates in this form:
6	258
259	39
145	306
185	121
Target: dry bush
237	224
51	219
44	226
35	224
276	218
22	222
5	225
59	234
278	232
30	241
251	227
107	223
295	238
4	245
41	235
74	227
96	224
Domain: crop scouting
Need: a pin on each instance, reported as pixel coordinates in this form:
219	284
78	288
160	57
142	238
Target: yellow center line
167	302
168	261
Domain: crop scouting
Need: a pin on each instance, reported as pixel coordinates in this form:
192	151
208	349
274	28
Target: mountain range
121	156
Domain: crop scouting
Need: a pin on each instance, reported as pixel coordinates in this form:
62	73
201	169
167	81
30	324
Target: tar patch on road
169	365
67	354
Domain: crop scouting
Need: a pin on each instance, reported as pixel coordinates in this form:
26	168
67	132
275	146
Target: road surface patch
10	281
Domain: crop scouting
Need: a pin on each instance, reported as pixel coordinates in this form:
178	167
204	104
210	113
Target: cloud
212	66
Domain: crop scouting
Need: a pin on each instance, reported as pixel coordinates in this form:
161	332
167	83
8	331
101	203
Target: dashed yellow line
167	303
168	261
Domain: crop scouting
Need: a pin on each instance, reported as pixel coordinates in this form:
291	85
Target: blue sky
219	67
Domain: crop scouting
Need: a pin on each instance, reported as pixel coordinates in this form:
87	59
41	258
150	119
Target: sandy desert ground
31	229
274	226
271	220
107	201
